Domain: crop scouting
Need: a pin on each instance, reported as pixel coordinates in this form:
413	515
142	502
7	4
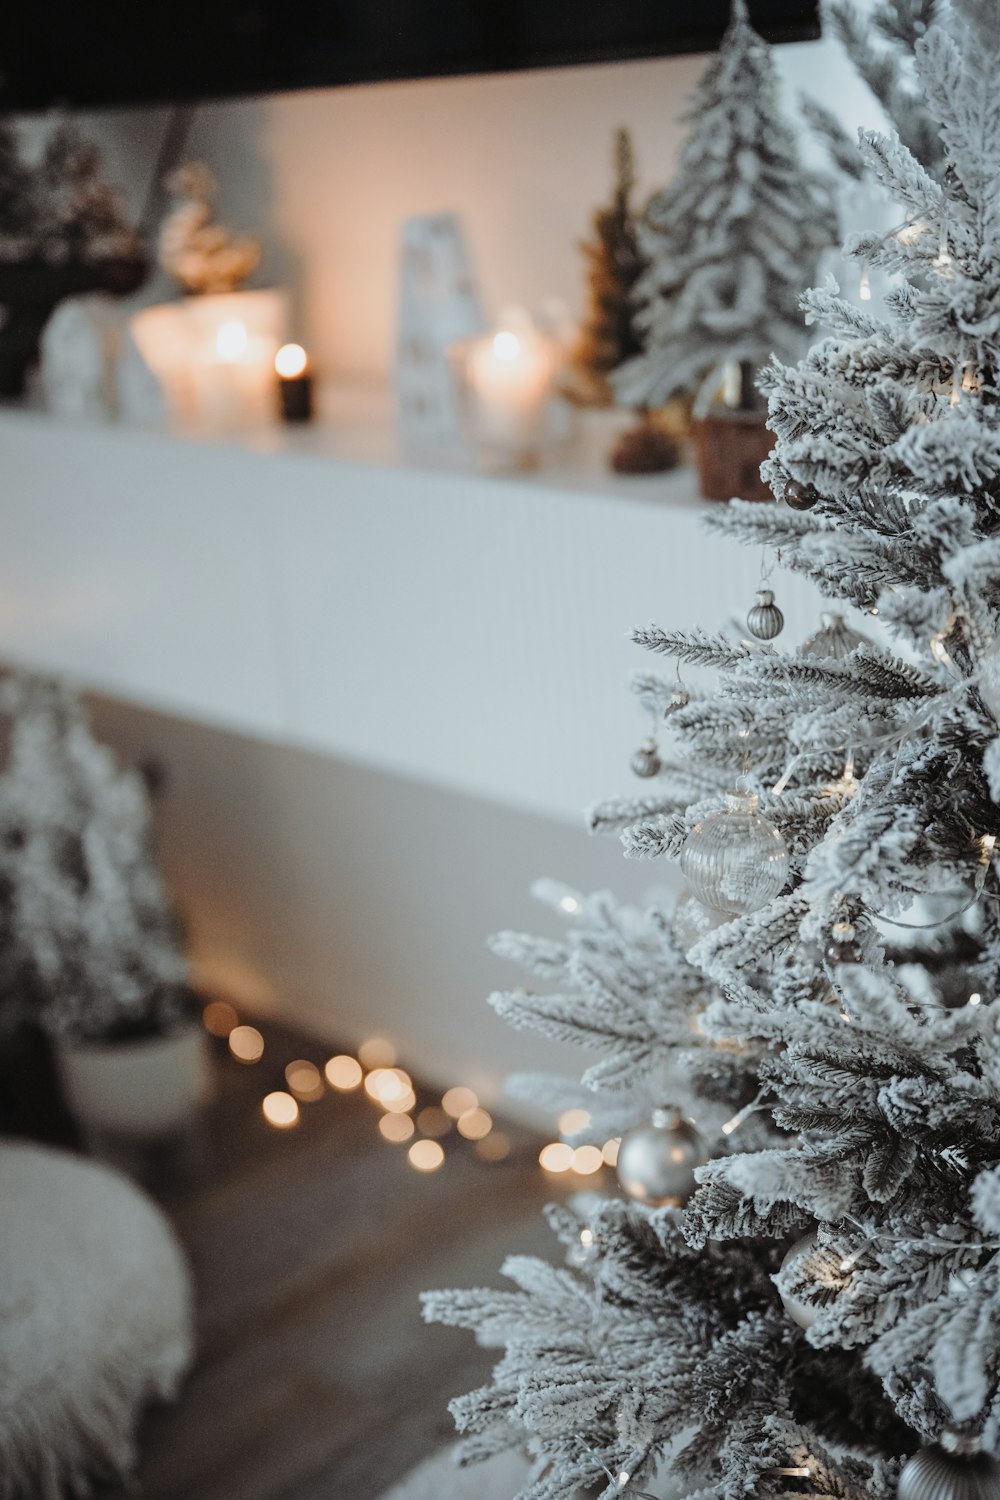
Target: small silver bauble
765	619
954	1469
679	698
656	1161
988	678
646	760
735	860
802	1313
834	640
843	947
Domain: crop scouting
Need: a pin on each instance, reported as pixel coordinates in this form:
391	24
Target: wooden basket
732	445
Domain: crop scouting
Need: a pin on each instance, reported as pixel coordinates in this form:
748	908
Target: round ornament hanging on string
765	619
657	1161
799	495
802	1313
735	860
954	1469
646	760
834	640
988	678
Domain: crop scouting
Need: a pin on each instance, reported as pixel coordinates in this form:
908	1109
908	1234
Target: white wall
328	175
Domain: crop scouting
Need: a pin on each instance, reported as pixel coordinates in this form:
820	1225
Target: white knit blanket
95	1319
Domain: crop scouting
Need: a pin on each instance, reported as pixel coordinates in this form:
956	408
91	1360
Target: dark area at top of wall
115	52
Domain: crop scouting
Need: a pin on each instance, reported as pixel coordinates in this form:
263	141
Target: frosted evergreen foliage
91	949
881	39
733	240
861	1098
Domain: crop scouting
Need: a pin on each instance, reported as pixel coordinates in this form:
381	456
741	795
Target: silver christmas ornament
679	698
954	1469
735	861
765	619
834	640
988	678
646	760
802	1313
843	947
657	1161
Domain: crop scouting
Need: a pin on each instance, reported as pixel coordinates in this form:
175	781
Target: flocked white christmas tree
91	949
814	1311
731	243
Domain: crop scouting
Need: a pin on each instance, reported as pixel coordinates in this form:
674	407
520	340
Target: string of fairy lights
400	1119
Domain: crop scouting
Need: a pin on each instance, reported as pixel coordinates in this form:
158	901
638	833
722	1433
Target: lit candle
510	375
295	385
232	377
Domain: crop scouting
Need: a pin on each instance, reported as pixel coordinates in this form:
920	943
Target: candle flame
291	360
506	345
231	340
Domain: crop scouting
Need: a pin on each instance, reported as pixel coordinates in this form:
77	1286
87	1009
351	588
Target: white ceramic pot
141	1089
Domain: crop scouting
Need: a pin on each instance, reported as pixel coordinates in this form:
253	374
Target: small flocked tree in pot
798	1294
92	953
730	244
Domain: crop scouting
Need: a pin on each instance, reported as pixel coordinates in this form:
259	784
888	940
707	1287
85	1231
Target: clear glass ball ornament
735	860
693	920
802	1313
657	1160
988	678
765	619
954	1469
834	640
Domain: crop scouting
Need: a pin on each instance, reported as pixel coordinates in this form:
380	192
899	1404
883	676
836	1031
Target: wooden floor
316	1378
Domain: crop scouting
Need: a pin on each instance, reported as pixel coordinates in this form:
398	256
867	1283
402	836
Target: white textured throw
95	1319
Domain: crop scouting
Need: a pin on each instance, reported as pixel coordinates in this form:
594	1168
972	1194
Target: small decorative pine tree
856	1179
80	217
92	947
609	335
17	207
732	242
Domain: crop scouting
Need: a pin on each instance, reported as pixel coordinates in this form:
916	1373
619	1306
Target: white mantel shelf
321	588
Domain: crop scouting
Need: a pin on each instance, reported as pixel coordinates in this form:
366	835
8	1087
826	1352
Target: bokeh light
290	360
426	1156
610	1150
388	1084
459	1101
587	1159
377	1052
304	1080
493	1147
434	1121
572	1120
280	1110
343	1072
474	1124
396	1128
246	1044
556	1157
219	1018
403	1105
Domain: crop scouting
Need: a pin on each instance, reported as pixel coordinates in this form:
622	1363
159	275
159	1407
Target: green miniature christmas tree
609	335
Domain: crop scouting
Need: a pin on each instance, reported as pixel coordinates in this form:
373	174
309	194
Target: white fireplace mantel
322	589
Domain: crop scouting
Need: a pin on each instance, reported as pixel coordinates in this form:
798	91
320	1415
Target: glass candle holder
506	382
214	357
